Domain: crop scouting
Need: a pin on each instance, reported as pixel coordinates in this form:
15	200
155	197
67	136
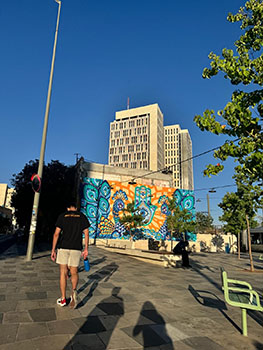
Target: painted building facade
103	200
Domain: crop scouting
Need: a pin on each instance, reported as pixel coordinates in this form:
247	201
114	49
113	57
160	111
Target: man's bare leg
63	280
74	277
74	282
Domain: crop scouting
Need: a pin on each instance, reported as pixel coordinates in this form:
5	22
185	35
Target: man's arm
85	251
55	240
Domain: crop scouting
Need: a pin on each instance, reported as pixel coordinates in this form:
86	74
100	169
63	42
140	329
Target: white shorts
68	257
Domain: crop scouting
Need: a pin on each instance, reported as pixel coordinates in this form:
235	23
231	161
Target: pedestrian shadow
153	333
112	309
204	298
104	274
257	316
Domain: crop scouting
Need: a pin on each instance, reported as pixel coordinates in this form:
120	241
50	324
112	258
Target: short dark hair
71	204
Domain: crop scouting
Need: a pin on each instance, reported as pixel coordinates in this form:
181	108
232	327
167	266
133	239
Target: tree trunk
249	246
238	245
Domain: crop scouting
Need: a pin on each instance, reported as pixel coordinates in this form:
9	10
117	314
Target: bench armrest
242	283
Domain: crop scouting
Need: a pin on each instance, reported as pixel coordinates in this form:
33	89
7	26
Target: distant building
5	201
136	138
177	149
139	140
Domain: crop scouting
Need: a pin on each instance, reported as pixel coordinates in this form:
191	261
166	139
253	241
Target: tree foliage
179	221
241	117
57	189
204	222
131	218
236	205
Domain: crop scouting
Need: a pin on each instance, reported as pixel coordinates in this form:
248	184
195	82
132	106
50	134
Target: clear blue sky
153	51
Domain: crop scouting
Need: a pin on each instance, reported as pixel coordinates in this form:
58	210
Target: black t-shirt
72	224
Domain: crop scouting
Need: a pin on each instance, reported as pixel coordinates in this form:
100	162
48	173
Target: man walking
69	228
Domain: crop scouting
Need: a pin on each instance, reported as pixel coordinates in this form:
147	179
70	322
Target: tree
239	211
180	221
204	222
5	224
241	117
132	219
58	187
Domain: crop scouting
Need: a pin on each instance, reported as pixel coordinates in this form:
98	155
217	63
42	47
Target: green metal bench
240	294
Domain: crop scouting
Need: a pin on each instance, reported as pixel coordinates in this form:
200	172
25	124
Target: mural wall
103	201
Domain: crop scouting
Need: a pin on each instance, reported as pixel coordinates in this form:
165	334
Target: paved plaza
125	304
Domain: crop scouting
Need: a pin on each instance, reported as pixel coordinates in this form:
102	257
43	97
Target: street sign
36	182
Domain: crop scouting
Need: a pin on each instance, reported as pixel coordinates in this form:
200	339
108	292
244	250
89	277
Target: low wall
257	247
204	243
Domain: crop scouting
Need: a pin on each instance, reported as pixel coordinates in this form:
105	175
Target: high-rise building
137	138
177	149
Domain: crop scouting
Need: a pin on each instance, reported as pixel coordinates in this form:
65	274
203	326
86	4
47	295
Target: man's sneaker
73	300
62	302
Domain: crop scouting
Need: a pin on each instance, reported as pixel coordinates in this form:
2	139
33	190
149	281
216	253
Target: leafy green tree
131	219
179	221
204	222
58	187
239	211
241	117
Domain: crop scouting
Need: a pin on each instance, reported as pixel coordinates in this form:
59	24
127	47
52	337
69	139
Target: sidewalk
125	304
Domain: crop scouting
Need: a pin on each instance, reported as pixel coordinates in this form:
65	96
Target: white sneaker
73	300
62	302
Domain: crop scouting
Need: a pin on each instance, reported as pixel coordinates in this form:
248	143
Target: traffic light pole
33	225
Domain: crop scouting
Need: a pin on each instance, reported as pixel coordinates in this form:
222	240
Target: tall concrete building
178	148
137	138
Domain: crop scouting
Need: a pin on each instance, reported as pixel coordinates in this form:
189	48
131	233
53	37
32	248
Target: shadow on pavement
151	335
197	267
104	274
112	308
214	302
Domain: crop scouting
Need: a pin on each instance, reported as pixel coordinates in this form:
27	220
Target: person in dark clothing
181	248
69	228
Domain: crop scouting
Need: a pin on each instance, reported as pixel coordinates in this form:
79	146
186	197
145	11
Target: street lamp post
33	225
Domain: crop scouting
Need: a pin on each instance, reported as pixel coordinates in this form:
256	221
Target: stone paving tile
8	333
118	340
203	343
146	336
89	325
16	317
85	342
24	305
6	306
36	295
62	327
43	315
31	330
23	345
54	342
7	279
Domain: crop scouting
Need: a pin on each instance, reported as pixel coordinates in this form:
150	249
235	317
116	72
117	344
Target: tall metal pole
208	204
33	225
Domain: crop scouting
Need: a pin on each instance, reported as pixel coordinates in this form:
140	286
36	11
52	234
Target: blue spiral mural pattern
103	206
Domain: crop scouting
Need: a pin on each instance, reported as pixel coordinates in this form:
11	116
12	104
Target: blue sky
153	51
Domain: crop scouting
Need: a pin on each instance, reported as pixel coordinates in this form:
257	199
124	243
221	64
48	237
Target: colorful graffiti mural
103	201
